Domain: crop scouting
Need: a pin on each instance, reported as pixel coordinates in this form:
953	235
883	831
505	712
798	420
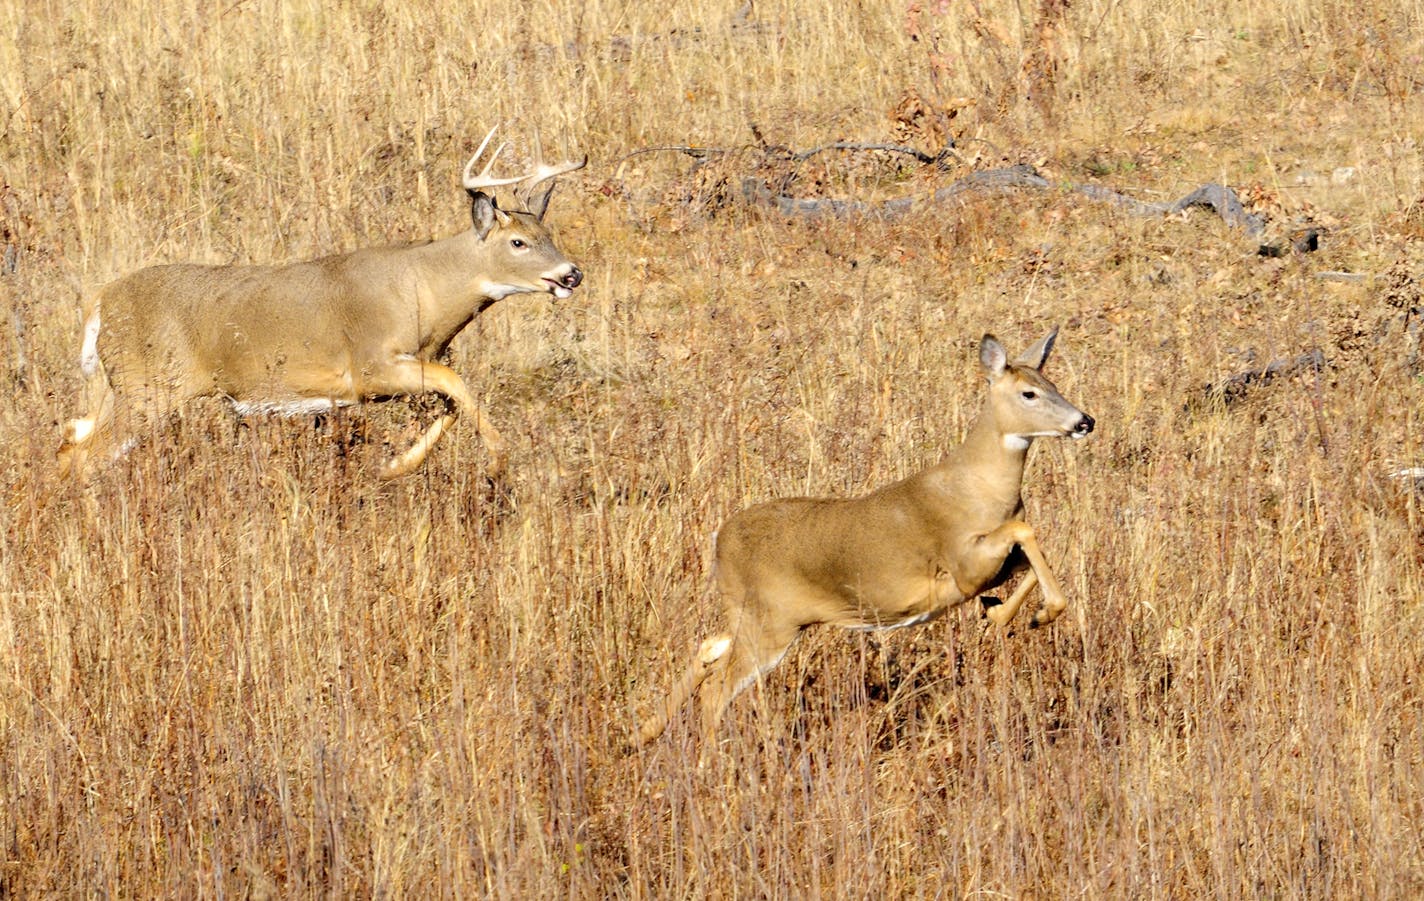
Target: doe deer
310	336
897	557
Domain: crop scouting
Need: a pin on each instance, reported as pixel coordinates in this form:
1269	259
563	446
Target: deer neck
989	464
451	280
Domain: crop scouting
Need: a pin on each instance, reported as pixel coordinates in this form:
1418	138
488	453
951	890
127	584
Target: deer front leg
997	545
414	376
1006	611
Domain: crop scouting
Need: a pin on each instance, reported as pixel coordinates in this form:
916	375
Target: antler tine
483	180
543	172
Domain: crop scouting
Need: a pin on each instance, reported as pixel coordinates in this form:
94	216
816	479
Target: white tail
897	557
310	336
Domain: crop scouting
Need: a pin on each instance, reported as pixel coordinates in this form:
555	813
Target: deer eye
517	243
1030	395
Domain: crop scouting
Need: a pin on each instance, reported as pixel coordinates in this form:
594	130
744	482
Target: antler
483	180
542	171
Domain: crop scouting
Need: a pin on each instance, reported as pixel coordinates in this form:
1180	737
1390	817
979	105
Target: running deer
897	557
310	336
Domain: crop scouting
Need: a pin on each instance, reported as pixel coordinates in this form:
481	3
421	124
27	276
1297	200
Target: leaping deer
310	336
897	557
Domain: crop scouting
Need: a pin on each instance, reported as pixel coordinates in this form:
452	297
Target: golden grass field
236	664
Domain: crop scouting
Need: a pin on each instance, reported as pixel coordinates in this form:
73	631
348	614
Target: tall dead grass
235	664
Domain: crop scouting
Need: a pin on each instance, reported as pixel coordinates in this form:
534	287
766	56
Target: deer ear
539	203
1037	355
486	213
992	357
482	212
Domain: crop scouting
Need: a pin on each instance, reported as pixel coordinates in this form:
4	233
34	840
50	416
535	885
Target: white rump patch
713	649
89	352
307	406
80	430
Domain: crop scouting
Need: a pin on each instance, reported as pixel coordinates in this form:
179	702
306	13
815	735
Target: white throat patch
1021	440
499	291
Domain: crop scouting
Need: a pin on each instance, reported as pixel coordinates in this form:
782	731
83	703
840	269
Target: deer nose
1084	426
573	278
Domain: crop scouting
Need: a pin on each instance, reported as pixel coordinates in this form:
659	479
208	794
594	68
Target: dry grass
235	664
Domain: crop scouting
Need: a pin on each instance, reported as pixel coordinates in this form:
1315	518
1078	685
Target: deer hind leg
711	657
115	424
413	376
998	544
753	650
82	435
91	434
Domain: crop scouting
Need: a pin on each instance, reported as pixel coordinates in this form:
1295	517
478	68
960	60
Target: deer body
899	556
308	336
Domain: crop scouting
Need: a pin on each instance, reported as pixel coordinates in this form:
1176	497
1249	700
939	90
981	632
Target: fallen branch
1223	200
989	179
937	159
1411	475
1219	198
701	153
1234	388
697	153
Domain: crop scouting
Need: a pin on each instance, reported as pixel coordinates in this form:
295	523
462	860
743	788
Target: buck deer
897	557
310	336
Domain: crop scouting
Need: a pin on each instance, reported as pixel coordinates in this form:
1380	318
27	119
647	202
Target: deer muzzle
562	286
